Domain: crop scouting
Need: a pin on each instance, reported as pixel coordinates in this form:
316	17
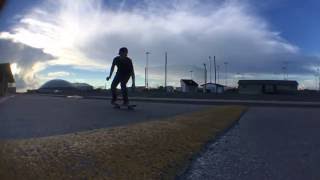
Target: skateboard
130	106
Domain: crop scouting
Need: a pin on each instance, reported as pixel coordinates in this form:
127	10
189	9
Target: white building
170	89
188	85
213	88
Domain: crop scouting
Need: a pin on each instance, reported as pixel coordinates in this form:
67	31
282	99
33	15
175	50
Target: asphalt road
268	143
26	116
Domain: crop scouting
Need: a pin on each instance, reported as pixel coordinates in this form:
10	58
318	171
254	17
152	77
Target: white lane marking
3	99
75	97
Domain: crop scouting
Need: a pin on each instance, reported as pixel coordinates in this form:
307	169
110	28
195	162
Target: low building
213	88
140	89
178	89
169	89
188	85
6	78
267	87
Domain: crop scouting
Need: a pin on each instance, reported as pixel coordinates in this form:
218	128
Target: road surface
26	116
268	143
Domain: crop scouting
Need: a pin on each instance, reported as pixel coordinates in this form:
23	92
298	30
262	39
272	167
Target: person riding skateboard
124	72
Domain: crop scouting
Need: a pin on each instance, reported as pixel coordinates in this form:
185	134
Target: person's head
123	52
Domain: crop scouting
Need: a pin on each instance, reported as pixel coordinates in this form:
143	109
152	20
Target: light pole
191	73
218	72
146	70
215	69
205	78
210	68
284	72
166	70
226	73
318	78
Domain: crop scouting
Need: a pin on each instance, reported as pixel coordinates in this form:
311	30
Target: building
6	79
140	89
188	85
213	88
267	87
83	86
169	89
57	86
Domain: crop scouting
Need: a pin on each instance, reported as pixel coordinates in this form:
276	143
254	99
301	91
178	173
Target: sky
77	40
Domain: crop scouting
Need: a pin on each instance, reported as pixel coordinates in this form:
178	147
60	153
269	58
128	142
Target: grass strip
151	150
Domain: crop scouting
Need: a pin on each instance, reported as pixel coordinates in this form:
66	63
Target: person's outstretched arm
111	71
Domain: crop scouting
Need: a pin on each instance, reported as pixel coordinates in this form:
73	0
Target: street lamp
210	68
146	70
205	78
226	73
218	73
191	72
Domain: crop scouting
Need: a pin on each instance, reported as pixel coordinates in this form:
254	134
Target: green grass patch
151	150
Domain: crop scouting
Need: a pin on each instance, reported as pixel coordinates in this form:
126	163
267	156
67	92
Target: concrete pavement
268	143
27	116
266	103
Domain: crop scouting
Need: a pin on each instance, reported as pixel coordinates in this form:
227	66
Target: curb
183	173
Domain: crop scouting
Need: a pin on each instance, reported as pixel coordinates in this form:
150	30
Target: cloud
58	74
87	34
26	62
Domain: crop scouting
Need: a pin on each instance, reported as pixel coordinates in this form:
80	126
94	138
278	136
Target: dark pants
123	83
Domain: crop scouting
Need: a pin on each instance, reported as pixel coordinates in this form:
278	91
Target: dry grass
152	150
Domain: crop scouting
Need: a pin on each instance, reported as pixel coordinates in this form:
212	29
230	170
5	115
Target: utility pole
210	68
166	70
205	78
191	72
146	70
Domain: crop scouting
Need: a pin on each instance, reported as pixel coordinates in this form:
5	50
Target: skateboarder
124	72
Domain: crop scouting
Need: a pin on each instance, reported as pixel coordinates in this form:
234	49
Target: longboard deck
130	106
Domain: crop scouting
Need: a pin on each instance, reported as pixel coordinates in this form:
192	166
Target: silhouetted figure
124	72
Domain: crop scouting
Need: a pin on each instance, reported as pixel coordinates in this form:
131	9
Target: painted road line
3	99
